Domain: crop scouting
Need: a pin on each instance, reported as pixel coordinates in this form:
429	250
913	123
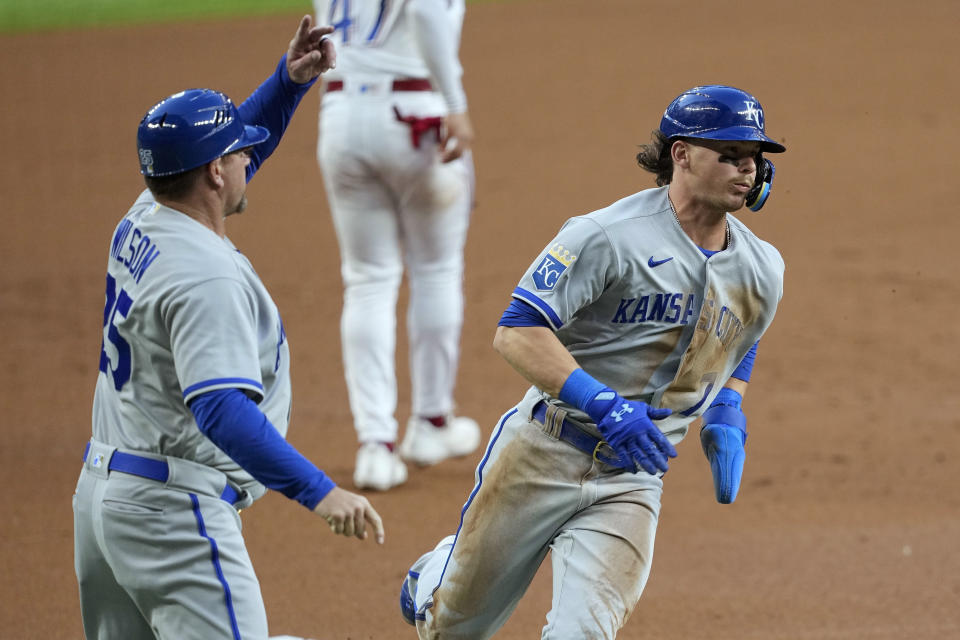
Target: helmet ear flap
758	194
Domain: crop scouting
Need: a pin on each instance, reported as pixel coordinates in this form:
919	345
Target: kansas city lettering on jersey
137	254
675	308
722	322
678	308
552	266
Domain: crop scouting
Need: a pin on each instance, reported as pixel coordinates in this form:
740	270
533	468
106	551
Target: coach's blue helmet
189	129
717	112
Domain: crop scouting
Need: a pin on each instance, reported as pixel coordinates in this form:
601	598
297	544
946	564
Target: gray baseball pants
535	494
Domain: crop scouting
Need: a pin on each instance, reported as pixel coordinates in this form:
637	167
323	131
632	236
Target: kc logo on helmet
552	266
751	112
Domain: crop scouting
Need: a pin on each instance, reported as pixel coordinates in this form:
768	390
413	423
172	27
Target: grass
42	15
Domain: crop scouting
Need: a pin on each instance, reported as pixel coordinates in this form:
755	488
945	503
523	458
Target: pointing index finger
304	28
373	518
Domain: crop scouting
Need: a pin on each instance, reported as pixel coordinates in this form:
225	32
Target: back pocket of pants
131	507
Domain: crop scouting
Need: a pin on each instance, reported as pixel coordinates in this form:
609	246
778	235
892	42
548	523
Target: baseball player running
394	151
632	322
193	396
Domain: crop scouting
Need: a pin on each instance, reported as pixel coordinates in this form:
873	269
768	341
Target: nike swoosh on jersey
656	263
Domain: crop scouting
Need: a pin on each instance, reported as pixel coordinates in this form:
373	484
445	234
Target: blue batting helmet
189	129
717	112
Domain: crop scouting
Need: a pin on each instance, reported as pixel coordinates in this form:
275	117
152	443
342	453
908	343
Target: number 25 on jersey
115	303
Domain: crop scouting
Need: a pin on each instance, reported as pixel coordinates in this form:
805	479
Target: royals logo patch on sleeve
548	272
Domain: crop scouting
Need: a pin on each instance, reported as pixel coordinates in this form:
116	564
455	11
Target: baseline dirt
848	523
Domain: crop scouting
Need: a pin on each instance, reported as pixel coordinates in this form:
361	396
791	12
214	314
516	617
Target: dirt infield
848	523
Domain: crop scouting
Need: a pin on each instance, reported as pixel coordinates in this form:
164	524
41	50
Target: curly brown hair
655	158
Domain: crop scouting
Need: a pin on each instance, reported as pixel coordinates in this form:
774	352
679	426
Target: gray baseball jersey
645	311
158	546
200	313
199	319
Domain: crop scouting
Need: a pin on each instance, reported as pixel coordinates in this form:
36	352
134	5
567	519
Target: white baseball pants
394	206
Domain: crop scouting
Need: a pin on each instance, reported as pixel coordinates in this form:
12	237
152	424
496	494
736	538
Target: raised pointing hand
310	53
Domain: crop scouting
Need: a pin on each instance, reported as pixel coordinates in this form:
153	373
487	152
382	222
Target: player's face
723	171
235	180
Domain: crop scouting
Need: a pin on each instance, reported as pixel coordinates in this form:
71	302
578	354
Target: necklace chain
677	218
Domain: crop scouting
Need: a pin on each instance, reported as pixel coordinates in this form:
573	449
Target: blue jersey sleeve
522	314
234	423
745	368
272	106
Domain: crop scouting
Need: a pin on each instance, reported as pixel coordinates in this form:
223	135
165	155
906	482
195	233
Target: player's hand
457	136
310	53
627	426
349	513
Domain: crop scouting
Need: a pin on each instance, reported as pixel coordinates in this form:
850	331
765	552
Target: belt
151	469
407	84
572	433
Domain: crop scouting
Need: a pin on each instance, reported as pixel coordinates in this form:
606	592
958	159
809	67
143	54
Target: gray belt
556	423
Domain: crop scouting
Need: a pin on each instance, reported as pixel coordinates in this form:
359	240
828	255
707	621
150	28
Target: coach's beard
240	208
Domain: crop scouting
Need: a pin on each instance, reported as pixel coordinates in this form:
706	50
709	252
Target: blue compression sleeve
235	424
745	368
271	106
522	314
725	409
729	397
580	389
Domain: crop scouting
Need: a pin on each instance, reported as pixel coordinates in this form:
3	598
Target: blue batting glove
627	426
723	435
